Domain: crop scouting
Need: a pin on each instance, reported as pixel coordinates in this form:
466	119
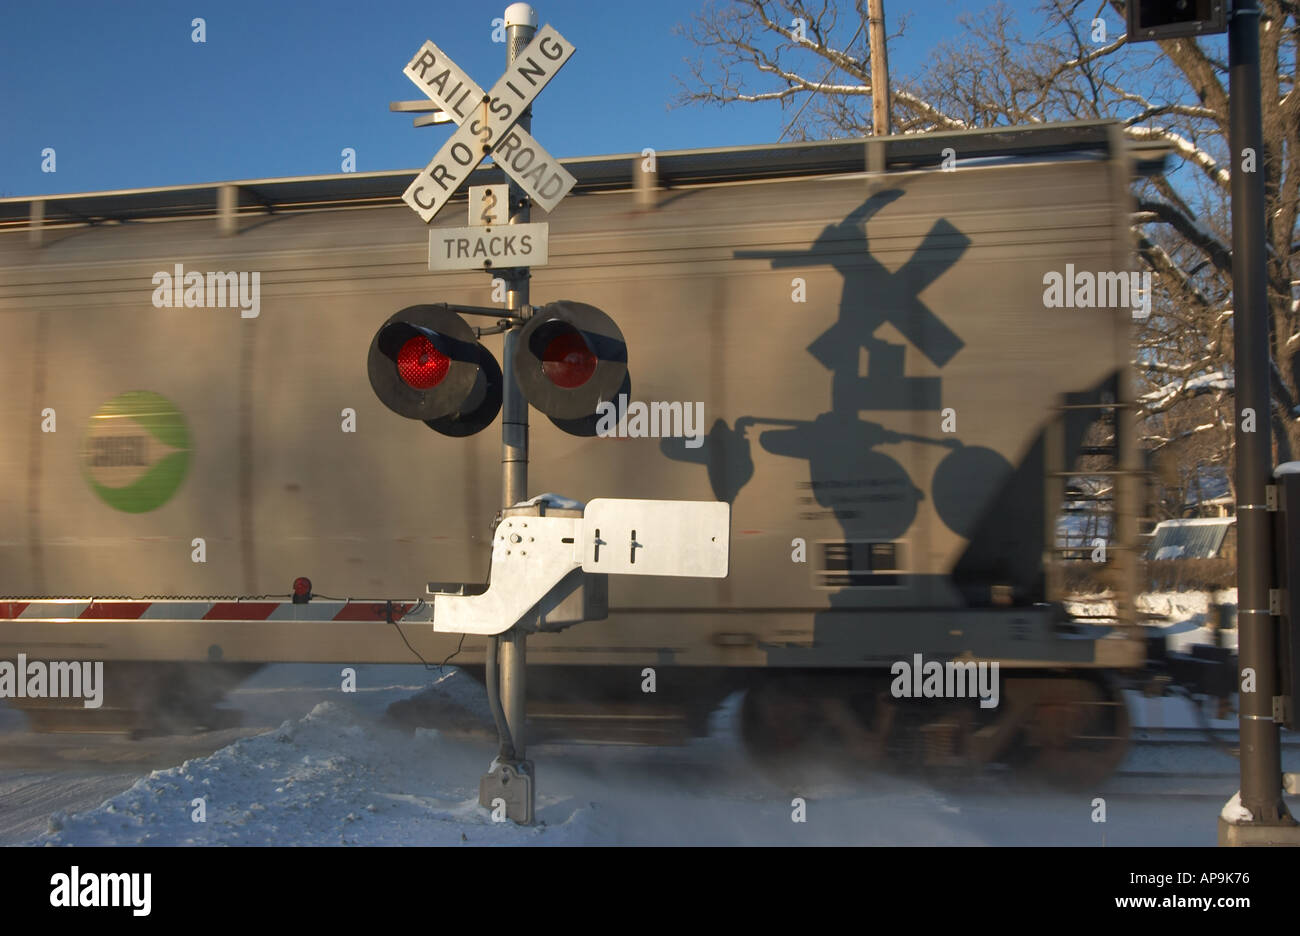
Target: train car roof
596	173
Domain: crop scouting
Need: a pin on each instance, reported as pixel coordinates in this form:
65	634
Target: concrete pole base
1240	834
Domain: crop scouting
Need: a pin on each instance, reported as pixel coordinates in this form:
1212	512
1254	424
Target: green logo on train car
136	451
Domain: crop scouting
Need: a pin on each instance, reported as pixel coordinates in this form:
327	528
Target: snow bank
337	776
343	775
1183	615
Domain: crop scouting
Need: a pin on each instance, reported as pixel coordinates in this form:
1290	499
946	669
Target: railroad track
1158	784
1225	741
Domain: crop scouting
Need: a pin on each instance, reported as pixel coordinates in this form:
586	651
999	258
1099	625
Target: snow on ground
336	776
345	775
27	797
1183	615
348	773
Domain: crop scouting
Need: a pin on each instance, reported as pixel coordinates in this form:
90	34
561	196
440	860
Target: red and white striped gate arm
198	609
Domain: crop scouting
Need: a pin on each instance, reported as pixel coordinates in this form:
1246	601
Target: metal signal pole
1261	764
521	25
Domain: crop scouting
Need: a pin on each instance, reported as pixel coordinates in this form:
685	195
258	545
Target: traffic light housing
426	363
571	357
1150	20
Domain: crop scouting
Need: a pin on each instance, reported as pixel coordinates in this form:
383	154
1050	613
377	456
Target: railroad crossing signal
426	363
565	358
486	124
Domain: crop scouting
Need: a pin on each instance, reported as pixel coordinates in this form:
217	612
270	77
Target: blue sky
127	100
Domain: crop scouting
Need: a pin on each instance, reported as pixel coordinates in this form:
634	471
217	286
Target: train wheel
775	723
799	722
1078	733
1066	732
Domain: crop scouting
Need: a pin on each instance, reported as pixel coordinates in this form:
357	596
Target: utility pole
1261	763
879	68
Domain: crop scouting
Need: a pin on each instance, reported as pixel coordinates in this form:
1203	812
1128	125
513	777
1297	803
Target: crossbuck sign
486	124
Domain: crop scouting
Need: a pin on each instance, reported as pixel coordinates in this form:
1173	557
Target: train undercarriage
1065	728
1062	729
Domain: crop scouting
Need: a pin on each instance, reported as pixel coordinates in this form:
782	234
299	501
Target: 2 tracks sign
487	125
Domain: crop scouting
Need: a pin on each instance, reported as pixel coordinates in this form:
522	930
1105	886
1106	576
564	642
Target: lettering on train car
118	451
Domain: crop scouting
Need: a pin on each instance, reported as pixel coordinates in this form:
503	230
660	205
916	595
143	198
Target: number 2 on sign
488	205
489	216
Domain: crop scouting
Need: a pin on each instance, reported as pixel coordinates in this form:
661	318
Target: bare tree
1070	62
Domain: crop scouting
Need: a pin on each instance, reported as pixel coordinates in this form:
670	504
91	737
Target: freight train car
862	337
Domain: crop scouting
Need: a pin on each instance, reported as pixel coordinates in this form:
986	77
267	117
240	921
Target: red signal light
570	358
420	364
426	363
567	361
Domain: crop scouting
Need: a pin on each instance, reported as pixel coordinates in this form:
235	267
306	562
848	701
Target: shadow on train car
1065	730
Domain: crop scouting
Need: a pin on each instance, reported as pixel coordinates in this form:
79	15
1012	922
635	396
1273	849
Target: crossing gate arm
227	629
63	610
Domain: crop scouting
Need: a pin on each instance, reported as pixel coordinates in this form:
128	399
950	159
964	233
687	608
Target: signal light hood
583	349
450	336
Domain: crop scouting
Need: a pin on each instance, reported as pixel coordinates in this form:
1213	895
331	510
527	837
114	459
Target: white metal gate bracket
531	555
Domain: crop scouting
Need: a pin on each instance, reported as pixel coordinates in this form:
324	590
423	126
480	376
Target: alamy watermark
194	290
61	679
1087	290
87	889
954	679
638	420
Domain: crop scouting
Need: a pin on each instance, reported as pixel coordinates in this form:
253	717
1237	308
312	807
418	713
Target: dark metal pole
1261	766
